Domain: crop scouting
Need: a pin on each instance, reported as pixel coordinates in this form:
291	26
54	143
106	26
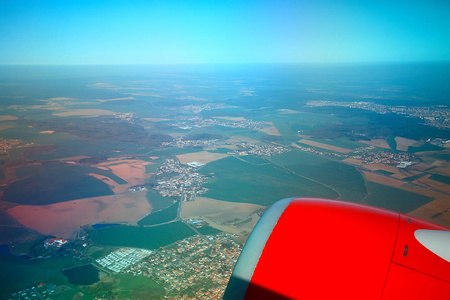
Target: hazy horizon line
233	63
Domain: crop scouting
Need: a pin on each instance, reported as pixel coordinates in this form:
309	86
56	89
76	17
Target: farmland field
345	179
208	230
394	199
161	216
138	287
255	160
158	202
424	147
53	184
441	178
298	157
141	237
251	184
384	172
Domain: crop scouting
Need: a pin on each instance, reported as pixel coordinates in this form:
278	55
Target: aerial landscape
131	180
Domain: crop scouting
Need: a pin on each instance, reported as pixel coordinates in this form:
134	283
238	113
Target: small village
368	156
259	150
199	108
180	143
199	122
180	181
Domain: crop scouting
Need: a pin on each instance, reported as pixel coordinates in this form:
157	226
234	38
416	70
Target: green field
415	177
138	287
208	230
7	233
425	147
285	128
161	216
255	160
384	172
220	150
440	178
394	199
237	181
344	178
158	202
441	156
390	140
295	157
16	274
82	275
6	219
151	168
55	183
141	237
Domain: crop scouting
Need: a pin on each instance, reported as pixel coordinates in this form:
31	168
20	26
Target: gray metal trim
437	241
246	264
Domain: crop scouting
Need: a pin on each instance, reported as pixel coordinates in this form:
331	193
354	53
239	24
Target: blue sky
148	32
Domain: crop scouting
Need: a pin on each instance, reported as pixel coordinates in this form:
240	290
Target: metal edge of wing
246	264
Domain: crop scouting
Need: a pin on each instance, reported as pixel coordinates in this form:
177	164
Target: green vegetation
96	129
295	157
238	181
141	237
394	199
151	168
55	183
7	233
441	156
425	147
161	216
390	140
158	202
82	275
255	160
345	179
208	230
285	128
138	287
220	150
384	172
357	124
440	178
6	219
415	177
16	274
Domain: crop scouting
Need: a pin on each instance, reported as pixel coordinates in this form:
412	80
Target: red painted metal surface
328	249
324	248
405	283
418	257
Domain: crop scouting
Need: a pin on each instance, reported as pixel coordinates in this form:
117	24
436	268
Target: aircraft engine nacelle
307	248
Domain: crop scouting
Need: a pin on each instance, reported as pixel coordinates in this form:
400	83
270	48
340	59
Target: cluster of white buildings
122	258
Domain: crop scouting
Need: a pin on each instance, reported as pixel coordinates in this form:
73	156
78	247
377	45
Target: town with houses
180	181
437	116
199	122
197	267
